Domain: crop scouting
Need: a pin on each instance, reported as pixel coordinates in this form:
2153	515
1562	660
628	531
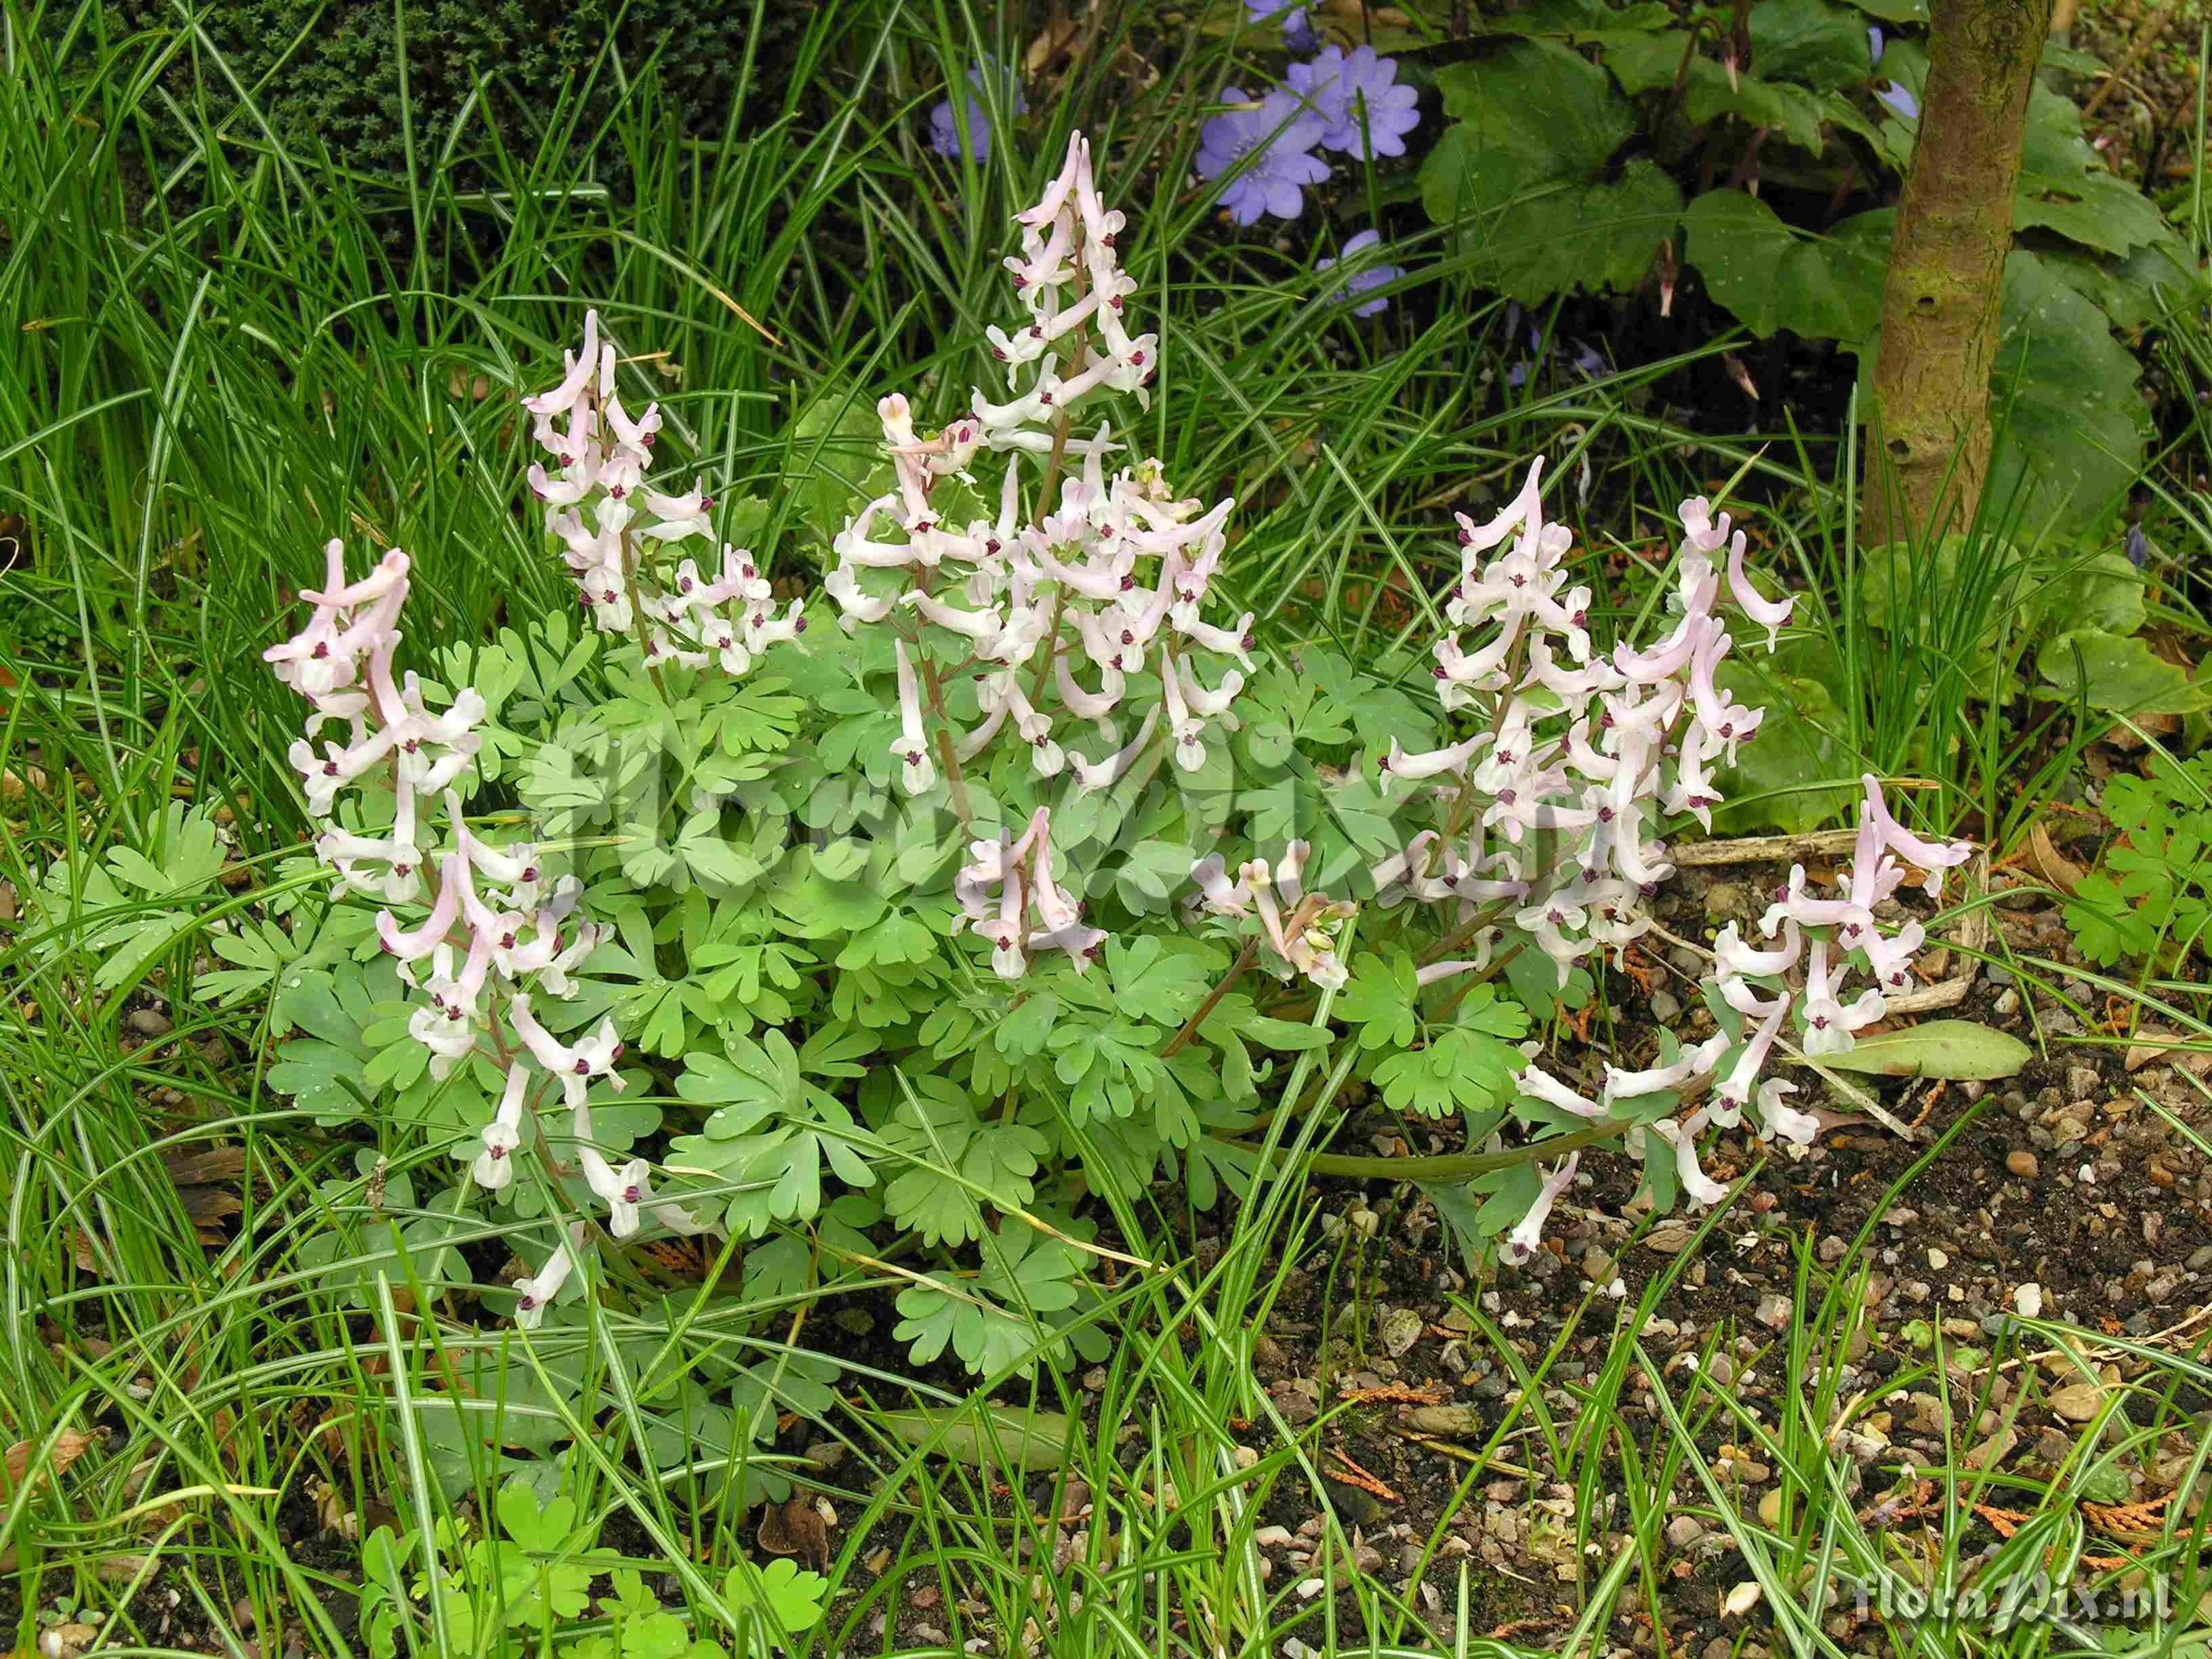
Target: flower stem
950	762
1245	958
1449	1166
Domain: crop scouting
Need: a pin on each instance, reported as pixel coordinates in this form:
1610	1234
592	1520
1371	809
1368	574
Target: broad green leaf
1525	174
989	1437
2065	186
1959	1049
2075	423
1774	277
1796	745
2122	675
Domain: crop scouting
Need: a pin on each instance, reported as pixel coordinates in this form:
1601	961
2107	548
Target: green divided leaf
789	1593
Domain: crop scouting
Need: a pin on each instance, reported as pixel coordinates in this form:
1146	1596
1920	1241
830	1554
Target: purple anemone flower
1899	99
1270	143
1360	101
950	131
1360	281
1874	46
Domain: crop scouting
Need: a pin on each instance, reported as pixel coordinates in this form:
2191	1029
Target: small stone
1722	1370
1993	1450
150	1022
1726	898
1769	1508
2028	1298
1685	1530
1309	1588
1834	1249
1401	1329
2082	1082
2199	1259
1938	1260
1597	1266
2077	1402
1452	1422
1774	1312
1666	1007
1246	1457
1742	1599
2008	1001
2022	1163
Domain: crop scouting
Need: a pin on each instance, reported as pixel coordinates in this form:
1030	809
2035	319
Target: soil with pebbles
2061	1179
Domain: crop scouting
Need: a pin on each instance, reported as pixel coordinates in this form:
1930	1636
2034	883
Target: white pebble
2028	1298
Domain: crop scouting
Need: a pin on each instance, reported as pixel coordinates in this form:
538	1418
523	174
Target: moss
340	85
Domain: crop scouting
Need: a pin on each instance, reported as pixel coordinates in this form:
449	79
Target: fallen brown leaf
69	1446
2040	854
795	1527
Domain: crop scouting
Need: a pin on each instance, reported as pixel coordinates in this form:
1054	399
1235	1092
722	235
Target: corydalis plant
1580	757
1084	591
486	920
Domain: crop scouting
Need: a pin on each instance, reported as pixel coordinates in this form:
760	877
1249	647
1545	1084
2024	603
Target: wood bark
1946	279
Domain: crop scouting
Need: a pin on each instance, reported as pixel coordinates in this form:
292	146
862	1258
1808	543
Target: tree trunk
1946	279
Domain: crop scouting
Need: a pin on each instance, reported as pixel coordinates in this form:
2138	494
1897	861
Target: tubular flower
537	1291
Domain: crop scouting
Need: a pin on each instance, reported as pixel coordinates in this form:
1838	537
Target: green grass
219	360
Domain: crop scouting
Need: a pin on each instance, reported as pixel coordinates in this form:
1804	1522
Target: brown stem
958	785
1245	958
